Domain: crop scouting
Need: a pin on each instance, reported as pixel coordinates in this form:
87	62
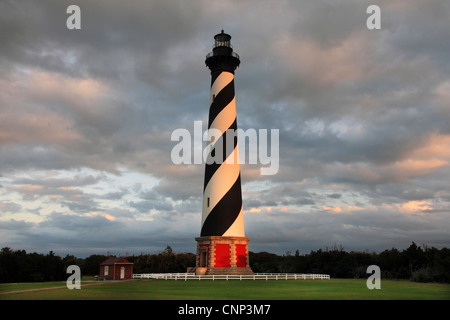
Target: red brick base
222	255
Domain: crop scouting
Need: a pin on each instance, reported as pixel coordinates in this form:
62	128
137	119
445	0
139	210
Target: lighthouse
222	247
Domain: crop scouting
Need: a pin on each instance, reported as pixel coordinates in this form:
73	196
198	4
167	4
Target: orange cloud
333	209
415	206
26	98
266	209
346	61
105	215
409	168
339	209
253	210
427	158
436	147
73	90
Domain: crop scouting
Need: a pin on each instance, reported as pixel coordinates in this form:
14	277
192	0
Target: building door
122	272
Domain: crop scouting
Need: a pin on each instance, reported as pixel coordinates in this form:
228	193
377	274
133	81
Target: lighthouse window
222	43
208	202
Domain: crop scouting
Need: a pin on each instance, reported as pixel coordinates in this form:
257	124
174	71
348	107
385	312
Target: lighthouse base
222	255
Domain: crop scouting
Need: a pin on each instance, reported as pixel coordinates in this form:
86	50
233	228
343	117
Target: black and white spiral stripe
222	213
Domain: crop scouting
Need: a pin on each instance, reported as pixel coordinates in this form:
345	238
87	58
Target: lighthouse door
203	258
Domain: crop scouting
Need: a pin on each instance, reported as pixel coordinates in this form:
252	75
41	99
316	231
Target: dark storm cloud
143	58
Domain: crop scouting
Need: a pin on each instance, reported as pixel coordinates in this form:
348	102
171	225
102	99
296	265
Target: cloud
86	118
10	207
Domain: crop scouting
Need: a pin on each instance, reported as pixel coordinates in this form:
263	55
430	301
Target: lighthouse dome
222	40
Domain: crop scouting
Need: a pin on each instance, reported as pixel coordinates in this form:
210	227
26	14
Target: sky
86	118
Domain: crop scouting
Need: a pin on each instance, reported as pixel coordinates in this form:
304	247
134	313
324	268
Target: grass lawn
343	289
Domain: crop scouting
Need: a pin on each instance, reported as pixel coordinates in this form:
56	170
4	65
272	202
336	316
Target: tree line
416	263
422	264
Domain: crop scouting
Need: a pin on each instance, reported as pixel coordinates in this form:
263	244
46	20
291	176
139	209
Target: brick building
116	269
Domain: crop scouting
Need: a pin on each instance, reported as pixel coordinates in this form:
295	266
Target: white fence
256	276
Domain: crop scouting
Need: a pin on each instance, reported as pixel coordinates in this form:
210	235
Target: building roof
112	261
